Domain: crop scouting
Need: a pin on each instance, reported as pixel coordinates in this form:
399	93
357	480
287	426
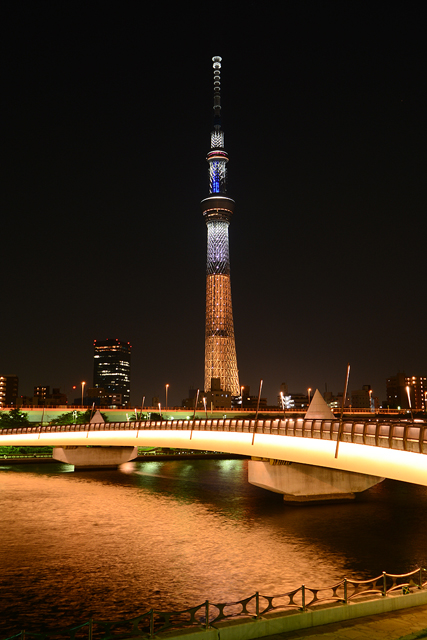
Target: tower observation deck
220	349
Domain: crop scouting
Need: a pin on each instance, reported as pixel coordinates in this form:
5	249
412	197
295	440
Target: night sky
106	120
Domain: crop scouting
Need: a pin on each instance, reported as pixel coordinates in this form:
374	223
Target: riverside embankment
149	457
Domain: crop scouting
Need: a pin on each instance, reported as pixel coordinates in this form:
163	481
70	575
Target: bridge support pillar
94	457
302	483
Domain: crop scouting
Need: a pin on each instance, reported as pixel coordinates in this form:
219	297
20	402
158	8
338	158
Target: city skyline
105	128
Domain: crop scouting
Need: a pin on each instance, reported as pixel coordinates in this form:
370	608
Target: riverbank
394	618
149	457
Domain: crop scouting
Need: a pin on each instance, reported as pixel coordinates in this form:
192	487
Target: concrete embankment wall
290	621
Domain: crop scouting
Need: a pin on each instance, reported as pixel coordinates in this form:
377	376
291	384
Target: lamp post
83	389
371	405
282	398
257	409
166	391
408	393
309	394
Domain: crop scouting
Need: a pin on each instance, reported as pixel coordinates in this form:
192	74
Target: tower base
95	457
303	483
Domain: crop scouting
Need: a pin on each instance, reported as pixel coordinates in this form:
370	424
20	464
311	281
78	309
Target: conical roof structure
318	409
97	418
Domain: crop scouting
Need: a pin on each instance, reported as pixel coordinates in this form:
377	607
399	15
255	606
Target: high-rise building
111	369
220	349
418	390
8	390
397	394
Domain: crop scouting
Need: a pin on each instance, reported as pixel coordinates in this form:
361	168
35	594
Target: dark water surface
112	544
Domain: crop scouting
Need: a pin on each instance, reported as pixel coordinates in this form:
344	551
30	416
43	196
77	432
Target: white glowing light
406	466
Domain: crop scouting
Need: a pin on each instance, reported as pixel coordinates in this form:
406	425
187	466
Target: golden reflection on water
167	535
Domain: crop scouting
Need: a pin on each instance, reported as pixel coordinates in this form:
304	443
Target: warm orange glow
389	463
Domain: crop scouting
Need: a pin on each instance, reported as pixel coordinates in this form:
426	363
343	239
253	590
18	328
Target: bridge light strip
405	466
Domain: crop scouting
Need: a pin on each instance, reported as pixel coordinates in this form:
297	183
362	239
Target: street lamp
309	394
166	389
408	393
83	388
282	398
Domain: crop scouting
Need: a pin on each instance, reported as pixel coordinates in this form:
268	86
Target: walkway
405	624
387	449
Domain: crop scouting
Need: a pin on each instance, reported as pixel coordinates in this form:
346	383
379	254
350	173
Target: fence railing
207	614
393	434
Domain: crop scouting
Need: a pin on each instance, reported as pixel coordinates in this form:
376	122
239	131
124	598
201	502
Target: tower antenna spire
217	91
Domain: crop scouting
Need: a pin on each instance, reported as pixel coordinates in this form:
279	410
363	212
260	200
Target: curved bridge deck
387	448
392	434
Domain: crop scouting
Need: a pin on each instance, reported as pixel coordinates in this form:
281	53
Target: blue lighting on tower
215	180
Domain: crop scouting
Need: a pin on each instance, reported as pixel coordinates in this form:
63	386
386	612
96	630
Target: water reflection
171	533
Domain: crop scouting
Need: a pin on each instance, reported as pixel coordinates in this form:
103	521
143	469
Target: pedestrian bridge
377	447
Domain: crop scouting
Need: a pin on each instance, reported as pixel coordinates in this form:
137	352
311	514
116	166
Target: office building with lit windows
111	369
8	390
418	385
397	394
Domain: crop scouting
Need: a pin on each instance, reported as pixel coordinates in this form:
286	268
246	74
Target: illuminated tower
220	349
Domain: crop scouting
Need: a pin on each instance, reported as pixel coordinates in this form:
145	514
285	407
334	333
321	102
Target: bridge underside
94	457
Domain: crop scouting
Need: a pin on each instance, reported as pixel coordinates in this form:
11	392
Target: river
170	534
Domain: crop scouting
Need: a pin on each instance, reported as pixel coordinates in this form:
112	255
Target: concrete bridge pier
94	457
303	483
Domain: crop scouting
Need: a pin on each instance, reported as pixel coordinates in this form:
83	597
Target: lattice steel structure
220	349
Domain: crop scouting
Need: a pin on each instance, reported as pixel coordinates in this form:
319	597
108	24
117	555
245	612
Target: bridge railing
207	614
394	434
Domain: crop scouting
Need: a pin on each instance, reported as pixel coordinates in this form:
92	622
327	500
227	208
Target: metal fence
208	614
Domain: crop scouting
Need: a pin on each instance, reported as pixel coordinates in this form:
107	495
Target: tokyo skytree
220	349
